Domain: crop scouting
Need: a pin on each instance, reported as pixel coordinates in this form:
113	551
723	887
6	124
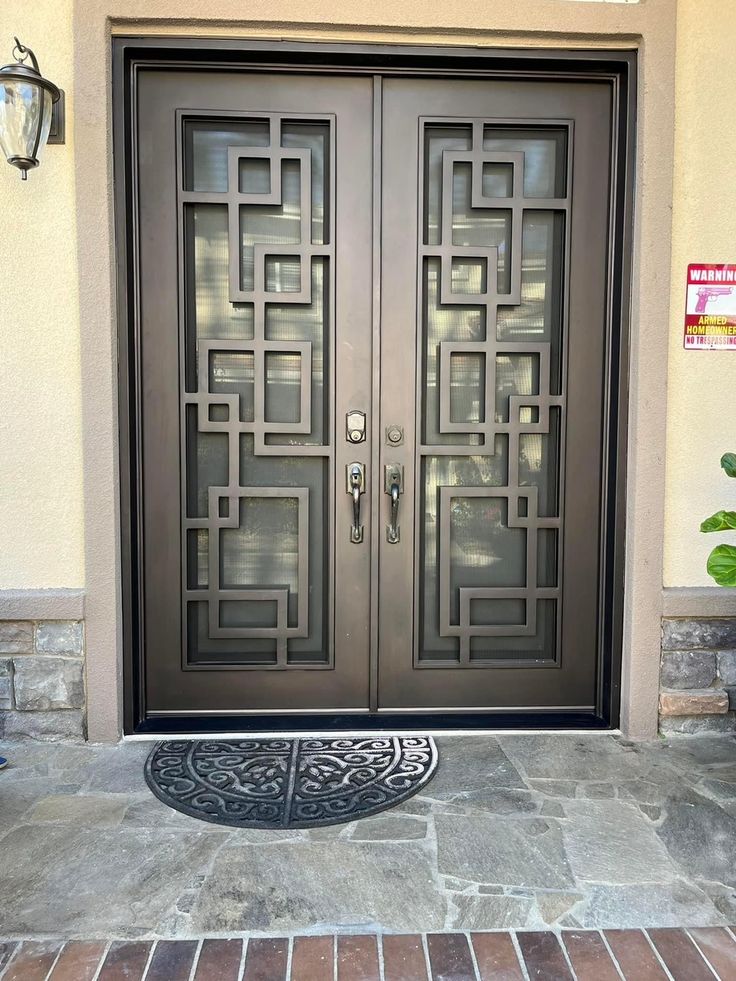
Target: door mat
289	783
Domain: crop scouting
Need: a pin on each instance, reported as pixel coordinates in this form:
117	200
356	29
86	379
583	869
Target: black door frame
616	68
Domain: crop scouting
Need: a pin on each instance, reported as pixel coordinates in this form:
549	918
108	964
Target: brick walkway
585	955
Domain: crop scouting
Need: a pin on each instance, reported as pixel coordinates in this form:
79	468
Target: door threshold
146	737
165	726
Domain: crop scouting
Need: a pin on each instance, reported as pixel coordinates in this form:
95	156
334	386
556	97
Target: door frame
617	68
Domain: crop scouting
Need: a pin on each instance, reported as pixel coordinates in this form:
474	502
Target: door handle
356	487
393	485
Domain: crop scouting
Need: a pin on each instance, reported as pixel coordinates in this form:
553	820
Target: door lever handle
393	476
356	487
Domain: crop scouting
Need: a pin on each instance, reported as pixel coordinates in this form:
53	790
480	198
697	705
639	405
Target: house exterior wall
701	383
696	634
41	500
58	486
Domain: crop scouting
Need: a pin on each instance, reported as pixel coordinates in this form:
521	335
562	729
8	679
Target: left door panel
253	344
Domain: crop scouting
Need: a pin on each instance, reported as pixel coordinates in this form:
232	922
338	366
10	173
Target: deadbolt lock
394	435
355	426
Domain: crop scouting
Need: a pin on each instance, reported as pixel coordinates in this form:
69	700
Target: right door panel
494	272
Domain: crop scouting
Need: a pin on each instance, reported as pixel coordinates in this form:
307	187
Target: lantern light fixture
26	105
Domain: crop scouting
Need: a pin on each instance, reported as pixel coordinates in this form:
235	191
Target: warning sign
710	310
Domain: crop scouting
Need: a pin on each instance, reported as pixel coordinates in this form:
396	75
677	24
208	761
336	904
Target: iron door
493	339
372	361
254	341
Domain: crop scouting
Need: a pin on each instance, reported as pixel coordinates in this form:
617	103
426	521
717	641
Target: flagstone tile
655	904
486	848
701	837
468	763
610	841
306	885
58	880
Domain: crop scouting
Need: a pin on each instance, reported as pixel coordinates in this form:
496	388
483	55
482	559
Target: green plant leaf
720	521
728	462
722	565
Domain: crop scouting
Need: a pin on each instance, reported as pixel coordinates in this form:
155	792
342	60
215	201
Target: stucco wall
41	512
700	418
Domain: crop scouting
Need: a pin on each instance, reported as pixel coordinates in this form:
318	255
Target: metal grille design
248	393
493	406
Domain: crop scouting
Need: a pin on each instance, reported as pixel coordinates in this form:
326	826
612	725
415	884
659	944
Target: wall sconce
27	100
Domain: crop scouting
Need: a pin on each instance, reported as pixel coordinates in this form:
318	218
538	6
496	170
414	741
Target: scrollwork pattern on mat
277	783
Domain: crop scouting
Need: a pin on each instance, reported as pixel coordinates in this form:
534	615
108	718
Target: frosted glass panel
283	387
283	274
205	149
211	314
467	387
469	276
263	551
254	176
544	157
497	180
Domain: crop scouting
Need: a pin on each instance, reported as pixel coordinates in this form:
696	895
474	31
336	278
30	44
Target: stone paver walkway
573	955
516	831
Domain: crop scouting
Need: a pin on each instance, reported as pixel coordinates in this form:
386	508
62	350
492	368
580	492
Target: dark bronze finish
57	131
539	653
356	487
18	71
393	485
612	70
276	650
394	435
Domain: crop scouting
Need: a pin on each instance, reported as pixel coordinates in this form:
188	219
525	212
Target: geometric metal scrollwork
528	413
219	412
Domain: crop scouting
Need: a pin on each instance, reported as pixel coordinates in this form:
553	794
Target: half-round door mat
289	783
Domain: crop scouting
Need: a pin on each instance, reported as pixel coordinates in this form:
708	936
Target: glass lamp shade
26	99
25	120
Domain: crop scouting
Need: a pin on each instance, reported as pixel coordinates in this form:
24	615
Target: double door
372	348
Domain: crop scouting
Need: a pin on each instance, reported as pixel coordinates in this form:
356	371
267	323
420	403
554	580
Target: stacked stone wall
42	685
698	675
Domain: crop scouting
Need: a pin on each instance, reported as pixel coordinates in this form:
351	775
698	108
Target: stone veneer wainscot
42	691
698	675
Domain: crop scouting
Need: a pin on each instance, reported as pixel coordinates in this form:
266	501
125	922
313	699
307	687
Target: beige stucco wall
700	417
41	510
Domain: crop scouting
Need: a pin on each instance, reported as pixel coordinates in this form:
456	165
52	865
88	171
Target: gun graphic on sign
706	294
